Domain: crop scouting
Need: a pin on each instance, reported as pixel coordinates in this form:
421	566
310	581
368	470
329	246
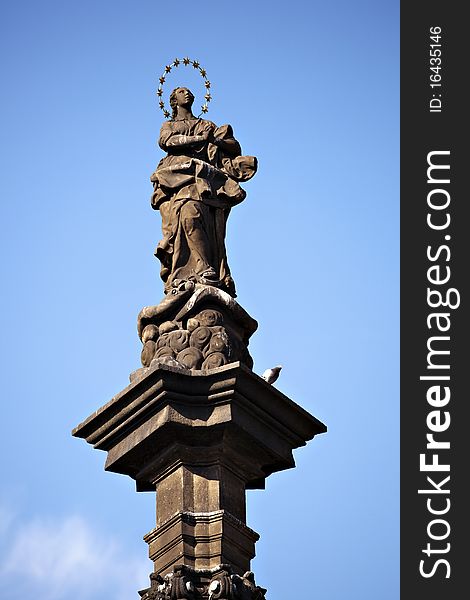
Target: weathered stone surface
201	327
200	439
228	411
201	540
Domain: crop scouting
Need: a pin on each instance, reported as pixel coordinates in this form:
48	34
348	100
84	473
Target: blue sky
311	89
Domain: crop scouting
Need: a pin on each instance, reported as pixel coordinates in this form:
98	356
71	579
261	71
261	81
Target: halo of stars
186	62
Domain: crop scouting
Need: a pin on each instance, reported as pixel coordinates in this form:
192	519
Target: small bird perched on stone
270	375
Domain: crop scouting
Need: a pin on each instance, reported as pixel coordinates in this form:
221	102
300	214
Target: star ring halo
186	62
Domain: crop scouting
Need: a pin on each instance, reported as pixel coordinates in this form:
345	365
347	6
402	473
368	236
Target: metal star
185	61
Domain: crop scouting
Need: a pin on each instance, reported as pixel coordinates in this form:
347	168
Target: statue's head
181	96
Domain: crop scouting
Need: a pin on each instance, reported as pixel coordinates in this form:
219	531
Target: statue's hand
208	132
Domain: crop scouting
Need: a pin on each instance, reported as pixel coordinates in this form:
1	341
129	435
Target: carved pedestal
197	327
219	583
200	439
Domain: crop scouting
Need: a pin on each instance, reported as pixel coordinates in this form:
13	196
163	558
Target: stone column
200	439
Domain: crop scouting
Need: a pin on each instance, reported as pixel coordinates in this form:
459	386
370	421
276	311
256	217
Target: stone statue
197	326
195	186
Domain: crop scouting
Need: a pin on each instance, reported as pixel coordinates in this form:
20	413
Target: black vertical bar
434	259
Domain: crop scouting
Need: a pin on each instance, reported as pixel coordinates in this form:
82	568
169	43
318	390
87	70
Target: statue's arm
179	141
169	139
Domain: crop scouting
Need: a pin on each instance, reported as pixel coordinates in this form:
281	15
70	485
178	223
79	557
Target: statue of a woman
195	186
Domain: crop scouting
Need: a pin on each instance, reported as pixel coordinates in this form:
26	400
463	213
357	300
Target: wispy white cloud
63	559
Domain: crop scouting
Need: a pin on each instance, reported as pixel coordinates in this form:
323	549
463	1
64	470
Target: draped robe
195	186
